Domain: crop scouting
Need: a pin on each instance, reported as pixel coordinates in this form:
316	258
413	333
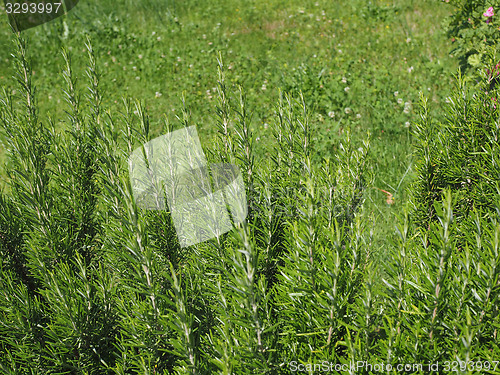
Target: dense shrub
444	270
472	30
441	304
459	154
91	283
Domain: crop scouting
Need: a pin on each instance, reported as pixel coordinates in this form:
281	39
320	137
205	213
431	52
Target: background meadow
371	171
360	65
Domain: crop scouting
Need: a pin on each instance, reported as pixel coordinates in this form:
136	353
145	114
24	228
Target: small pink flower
489	12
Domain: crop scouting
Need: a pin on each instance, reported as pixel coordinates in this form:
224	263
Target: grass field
383	53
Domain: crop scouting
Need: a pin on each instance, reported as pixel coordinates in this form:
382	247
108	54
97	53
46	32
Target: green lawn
155	51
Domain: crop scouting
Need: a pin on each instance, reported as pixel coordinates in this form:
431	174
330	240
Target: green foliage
459	154
472	32
440	303
91	283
